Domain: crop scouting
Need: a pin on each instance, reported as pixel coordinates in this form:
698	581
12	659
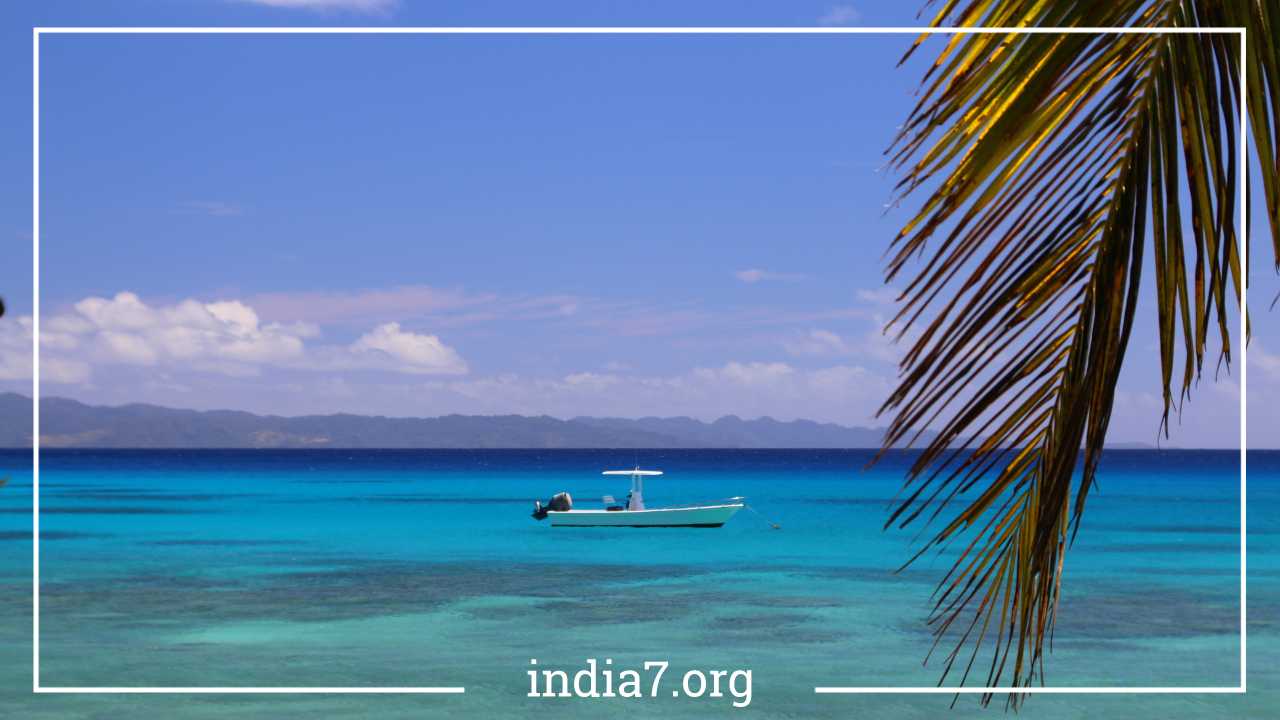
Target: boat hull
708	516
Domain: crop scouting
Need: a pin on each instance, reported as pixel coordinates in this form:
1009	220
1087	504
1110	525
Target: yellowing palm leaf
1050	164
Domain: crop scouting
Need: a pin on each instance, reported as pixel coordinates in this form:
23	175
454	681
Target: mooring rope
772	524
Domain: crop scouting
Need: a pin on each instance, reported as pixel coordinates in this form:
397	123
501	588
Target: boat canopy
637	471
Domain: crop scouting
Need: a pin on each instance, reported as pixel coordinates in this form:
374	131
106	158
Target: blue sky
418	225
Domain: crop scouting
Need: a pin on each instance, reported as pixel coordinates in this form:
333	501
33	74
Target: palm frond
1047	162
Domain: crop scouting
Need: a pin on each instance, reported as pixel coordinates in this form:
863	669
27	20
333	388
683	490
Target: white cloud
842	378
63	371
841	393
358	6
225	337
885	296
219	335
125	311
818	342
840	15
751	276
412	352
1263	361
15	348
873	344
754	373
1264	396
16	356
592	380
126	348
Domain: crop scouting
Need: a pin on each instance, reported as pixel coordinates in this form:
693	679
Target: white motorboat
560	511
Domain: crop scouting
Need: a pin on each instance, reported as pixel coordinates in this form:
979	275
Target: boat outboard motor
559	502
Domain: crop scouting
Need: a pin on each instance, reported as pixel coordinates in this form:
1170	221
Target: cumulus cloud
410	352
225	337
16	356
216	336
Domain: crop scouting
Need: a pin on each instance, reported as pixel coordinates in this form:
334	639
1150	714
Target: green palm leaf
1049	166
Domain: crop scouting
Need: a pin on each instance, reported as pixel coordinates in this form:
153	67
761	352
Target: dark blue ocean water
406	568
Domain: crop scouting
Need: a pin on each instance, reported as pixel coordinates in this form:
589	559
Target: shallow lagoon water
409	568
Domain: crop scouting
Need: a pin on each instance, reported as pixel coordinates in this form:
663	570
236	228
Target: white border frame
36	32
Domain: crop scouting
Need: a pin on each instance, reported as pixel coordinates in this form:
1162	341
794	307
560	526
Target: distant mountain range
69	423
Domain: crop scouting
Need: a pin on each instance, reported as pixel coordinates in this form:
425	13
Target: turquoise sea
413	568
